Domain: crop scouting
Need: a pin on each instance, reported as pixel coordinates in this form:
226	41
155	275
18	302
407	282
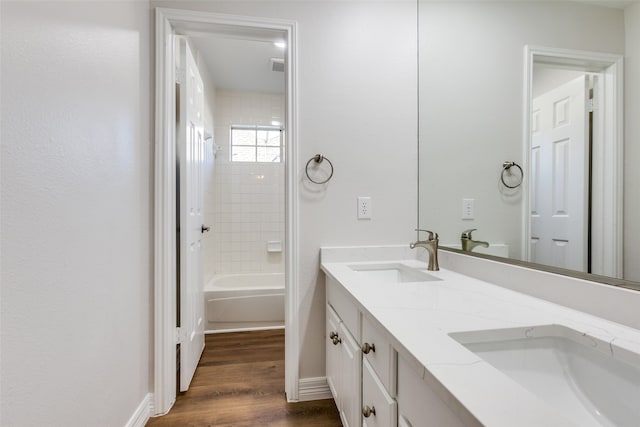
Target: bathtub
235	302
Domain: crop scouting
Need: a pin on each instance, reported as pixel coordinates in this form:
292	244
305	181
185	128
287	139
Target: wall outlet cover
364	208
468	209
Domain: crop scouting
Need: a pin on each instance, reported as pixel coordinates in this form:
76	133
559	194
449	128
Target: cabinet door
379	408
418	404
333	356
351	376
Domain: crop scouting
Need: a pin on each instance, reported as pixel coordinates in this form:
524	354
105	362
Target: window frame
256	129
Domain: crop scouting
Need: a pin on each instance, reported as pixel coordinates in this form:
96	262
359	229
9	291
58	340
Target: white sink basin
392	273
593	382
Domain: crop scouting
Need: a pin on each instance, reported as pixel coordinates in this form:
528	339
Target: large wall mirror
529	132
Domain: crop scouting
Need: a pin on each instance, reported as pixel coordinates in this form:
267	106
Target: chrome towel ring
506	167
318	158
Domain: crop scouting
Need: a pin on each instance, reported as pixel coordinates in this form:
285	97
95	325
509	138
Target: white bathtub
244	302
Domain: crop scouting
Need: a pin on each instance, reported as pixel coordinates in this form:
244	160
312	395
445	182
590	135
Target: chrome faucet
468	243
431	245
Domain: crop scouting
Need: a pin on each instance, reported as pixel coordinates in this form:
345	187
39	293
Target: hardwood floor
240	382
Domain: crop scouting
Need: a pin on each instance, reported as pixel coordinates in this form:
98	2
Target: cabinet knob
332	335
366	348
336	340
368	411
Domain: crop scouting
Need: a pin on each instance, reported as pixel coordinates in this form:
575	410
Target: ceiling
239	64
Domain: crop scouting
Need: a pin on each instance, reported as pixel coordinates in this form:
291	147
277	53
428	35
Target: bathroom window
256	144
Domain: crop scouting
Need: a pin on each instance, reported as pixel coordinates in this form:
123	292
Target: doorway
572	213
244	186
171	25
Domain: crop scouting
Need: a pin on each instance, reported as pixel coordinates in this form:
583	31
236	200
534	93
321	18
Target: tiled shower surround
248	208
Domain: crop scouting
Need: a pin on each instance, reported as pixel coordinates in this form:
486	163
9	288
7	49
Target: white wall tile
249	197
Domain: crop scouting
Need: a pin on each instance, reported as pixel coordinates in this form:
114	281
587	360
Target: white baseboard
313	389
142	412
257	328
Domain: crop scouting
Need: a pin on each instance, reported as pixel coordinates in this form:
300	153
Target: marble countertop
420	317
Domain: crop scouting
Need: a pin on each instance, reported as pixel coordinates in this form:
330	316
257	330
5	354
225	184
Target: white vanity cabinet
426	349
343	359
373	384
361	373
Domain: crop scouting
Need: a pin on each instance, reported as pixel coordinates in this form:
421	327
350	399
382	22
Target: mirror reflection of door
559	169
575	209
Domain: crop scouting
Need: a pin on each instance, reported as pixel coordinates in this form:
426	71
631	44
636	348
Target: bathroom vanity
411	347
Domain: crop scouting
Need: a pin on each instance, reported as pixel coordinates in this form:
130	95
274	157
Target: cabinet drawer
376	398
381	354
341	303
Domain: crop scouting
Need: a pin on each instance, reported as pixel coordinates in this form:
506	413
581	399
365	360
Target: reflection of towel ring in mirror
506	167
318	158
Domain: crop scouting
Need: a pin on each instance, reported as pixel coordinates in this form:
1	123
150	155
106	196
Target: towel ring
318	158
506	167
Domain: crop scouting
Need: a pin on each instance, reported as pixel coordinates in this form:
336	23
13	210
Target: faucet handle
431	234
466	234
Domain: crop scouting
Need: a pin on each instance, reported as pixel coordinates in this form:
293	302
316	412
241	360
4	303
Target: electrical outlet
364	208
467	209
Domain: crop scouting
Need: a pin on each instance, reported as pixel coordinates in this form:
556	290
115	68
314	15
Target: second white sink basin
593	382
392	273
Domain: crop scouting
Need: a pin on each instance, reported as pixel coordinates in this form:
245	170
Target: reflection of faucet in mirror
468	243
431	245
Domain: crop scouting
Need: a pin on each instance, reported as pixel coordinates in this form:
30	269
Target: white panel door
190	150
559	185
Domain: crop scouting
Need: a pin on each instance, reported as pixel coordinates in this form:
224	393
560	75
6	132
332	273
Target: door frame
165	268
607	185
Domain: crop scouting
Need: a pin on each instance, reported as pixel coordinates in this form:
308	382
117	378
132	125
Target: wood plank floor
240	382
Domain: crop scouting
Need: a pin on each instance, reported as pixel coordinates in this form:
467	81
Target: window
256	144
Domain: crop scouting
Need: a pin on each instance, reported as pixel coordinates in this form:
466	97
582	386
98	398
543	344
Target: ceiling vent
277	64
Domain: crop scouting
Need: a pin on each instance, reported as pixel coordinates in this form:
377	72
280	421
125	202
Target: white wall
632	143
471	102
357	105
249	197
76	212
